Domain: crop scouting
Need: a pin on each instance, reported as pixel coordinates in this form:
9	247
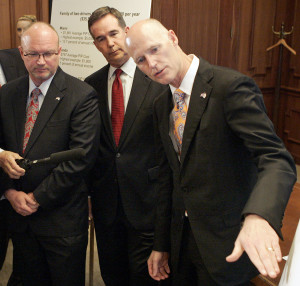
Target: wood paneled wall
232	33
11	10
236	34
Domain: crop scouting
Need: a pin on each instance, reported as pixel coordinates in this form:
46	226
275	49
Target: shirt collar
128	68
188	81
43	87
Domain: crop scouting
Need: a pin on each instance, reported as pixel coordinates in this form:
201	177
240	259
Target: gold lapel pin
203	95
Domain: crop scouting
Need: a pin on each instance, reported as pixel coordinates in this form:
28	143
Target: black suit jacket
129	170
68	118
232	164
12	64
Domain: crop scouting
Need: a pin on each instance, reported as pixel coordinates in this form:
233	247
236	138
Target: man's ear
172	37
21	52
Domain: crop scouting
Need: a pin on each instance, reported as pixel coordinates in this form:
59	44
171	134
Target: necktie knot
179	96
118	72
35	94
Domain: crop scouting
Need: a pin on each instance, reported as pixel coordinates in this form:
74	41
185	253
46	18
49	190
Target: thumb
150	266
236	253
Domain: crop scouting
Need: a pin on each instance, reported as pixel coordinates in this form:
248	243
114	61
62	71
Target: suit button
118	155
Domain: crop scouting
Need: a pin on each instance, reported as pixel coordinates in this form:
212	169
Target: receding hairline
39	24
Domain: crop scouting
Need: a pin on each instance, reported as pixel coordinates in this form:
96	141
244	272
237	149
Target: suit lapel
138	93
103	105
198	101
52	99
19	102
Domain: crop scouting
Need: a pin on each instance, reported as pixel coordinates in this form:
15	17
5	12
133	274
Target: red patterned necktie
117	106
179	114
31	115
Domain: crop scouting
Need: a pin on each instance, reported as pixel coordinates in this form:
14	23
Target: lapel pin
203	95
57	98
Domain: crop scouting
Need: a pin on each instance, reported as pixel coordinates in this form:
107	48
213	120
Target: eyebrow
110	32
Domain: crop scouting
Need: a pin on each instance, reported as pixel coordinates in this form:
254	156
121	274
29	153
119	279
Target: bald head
156	52
39	30
40	51
143	29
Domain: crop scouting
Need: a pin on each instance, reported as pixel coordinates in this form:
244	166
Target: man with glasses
46	112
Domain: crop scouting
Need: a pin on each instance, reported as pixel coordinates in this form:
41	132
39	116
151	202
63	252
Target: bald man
45	112
225	177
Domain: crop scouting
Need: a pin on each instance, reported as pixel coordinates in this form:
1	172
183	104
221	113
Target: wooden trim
12	22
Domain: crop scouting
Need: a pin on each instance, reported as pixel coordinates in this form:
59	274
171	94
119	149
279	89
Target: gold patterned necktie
31	115
179	113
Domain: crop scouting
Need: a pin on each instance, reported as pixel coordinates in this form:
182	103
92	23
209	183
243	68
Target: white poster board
291	272
79	56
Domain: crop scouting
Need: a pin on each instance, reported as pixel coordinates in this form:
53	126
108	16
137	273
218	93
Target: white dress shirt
2	76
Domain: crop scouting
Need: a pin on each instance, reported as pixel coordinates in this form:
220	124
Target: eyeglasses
36	56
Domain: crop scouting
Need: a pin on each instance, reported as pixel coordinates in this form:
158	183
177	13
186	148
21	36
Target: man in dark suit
11	64
124	178
221	164
46	112
11	67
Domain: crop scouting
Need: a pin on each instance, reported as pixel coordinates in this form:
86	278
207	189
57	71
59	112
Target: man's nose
110	42
41	59
151	62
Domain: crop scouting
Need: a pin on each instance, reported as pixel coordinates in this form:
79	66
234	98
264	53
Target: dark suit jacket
129	169
232	164
12	64
69	118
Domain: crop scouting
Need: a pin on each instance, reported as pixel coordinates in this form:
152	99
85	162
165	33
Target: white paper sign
80	57
291	272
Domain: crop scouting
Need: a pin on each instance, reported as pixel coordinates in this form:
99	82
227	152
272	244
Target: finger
33	207
267	261
14	173
30	201
277	251
163	272
167	268
270	262
154	269
150	267
28	210
236	253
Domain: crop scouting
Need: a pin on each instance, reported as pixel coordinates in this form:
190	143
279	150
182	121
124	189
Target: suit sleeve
84	133
246	115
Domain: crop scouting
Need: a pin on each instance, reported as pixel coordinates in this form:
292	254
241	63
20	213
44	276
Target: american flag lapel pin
203	95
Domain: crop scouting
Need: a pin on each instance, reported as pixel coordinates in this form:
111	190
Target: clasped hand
24	204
